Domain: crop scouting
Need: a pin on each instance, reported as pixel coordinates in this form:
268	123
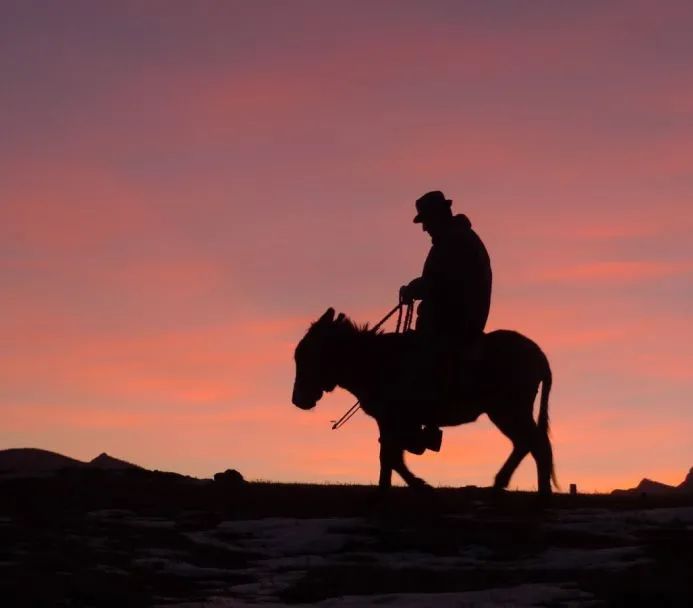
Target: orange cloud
175	217
620	271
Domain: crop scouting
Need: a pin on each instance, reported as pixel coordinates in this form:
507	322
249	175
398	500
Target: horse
374	367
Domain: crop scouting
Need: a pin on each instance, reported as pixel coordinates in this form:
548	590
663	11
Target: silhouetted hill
33	460
687	484
648	486
104	461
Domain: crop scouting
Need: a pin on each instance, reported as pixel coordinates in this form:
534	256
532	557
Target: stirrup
433	438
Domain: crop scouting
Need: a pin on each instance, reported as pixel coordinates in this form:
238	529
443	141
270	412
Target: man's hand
405	296
415	290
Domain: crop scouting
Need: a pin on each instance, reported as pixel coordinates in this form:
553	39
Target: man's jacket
455	286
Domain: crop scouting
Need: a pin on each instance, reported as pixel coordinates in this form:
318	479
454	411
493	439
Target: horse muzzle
305	402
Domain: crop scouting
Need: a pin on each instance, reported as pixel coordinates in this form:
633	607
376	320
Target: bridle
408	309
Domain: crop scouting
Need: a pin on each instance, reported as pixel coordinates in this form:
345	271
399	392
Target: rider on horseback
455	293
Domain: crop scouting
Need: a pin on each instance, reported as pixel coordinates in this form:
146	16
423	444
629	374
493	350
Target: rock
230	478
197	520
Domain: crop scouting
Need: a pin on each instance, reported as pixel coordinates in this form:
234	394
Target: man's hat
429	204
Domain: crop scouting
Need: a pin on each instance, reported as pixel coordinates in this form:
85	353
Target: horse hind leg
521	430
502	479
543	456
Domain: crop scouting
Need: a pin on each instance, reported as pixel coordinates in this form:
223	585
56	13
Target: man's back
457	274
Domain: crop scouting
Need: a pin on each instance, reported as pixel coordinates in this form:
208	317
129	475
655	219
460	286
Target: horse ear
328	317
340	317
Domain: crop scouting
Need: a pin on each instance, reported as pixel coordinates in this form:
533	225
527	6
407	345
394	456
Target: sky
186	186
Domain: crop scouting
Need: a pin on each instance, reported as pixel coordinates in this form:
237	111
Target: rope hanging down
408	314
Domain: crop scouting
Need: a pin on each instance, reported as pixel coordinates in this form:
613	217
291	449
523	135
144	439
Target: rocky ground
139	538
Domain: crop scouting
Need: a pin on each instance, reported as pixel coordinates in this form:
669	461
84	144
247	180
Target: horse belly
453	413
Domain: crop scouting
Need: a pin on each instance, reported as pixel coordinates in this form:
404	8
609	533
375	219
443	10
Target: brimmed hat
430	204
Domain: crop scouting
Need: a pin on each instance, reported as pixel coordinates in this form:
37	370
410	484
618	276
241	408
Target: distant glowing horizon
185	187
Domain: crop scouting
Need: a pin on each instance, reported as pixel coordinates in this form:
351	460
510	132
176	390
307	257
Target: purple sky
185	186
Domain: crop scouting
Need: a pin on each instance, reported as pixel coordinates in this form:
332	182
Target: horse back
513	360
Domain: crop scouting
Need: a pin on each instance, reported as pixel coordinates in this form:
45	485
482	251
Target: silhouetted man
455	293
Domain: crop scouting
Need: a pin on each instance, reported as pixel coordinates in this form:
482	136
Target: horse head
314	370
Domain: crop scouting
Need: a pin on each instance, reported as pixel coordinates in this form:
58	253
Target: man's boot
419	439
415	441
432	437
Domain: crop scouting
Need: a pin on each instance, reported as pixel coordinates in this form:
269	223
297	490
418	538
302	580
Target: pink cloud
179	228
619	271
71	207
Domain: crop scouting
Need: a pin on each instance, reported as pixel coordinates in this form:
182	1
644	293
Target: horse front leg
409	478
387	460
392	459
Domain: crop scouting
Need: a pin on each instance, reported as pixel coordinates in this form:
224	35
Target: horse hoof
421	487
544	499
498	496
375	498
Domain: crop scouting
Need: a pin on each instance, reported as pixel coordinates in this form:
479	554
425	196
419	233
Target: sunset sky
185	186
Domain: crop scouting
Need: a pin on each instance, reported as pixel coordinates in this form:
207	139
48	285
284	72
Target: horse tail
543	418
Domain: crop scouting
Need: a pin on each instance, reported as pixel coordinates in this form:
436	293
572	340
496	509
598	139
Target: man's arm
415	290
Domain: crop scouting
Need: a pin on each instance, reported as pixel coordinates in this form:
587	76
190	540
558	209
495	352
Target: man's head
433	211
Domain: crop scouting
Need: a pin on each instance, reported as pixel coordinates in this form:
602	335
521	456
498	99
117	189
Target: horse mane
344	326
348	325
353	327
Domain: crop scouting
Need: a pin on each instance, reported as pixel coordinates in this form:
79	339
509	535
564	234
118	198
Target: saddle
434	386
436	372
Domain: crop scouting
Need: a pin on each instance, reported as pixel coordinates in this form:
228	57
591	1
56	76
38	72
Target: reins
408	315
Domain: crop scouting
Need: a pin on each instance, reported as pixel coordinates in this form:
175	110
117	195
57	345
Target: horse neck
356	359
